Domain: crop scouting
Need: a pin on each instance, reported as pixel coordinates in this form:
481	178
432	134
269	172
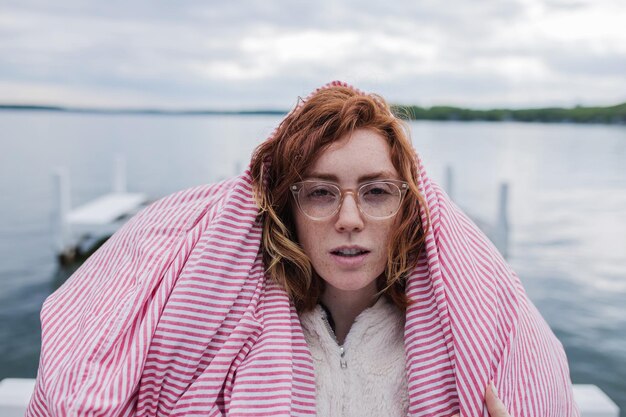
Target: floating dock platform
81	229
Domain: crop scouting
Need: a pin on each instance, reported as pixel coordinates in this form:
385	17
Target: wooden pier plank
105	209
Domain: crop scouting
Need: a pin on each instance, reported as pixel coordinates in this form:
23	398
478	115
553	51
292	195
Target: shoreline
611	115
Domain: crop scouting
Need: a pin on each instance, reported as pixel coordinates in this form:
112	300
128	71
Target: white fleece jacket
370	379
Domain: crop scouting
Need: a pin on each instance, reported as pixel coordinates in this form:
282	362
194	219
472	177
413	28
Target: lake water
567	210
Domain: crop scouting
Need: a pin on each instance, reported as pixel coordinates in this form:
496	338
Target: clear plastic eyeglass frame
397	186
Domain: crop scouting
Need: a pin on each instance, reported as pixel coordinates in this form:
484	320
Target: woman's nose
349	217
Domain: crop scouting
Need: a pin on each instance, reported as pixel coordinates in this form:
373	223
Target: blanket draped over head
175	316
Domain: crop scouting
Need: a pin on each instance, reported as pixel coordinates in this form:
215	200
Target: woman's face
349	250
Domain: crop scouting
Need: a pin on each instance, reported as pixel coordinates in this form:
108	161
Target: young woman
333	278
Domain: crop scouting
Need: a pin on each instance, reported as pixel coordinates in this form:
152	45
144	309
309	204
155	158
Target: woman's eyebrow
368	177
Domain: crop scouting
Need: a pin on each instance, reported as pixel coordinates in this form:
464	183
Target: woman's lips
349	257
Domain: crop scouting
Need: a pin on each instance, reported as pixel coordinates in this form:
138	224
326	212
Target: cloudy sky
263	54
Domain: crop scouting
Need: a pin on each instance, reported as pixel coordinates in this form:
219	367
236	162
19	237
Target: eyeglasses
320	200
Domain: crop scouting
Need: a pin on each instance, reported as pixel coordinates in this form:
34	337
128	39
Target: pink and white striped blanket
174	316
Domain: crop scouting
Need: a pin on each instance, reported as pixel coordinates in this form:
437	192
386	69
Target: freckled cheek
384	233
310	238
317	245
315	249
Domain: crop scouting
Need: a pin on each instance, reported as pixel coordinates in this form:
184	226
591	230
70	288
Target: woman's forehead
362	156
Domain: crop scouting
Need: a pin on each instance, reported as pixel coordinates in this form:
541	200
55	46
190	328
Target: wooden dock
80	229
15	394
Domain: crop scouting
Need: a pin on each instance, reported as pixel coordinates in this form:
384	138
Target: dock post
502	223
62	241
449	181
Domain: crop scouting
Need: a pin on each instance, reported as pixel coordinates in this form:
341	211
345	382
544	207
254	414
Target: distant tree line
578	114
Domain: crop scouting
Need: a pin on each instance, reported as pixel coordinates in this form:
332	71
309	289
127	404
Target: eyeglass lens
376	199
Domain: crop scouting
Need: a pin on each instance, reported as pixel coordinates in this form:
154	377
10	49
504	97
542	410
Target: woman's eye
321	193
376	190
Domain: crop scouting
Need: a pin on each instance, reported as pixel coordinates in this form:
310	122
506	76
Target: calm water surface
567	210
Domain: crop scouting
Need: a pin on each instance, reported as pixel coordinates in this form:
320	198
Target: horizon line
257	111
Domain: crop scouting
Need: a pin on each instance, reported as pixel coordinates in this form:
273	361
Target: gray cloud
254	54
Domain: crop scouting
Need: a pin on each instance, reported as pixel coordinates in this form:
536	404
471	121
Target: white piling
502	222
449	182
64	205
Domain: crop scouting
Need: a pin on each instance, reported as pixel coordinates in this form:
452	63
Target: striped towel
174	316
